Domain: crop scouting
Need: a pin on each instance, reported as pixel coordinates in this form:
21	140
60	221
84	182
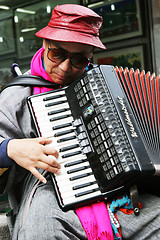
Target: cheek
49	66
78	72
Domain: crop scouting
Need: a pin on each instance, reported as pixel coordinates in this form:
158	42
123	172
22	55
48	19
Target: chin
63	82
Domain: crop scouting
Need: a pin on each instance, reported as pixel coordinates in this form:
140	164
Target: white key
77	149
45	104
46	118
68	183
66	169
45	110
66	186
60	177
44	128
73	158
71	192
74	199
43	97
55	123
64	182
49	132
40	98
56	145
68	190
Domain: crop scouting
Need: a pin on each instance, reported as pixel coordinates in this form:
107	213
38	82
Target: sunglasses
59	55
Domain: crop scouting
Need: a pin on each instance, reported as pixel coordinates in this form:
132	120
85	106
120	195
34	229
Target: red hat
73	23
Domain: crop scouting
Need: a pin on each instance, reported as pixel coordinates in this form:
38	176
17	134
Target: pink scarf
37	69
94	217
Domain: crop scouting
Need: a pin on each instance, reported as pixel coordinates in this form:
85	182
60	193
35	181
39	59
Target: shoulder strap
31	81
34	81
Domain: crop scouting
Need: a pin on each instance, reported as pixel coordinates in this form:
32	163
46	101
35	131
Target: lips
61	79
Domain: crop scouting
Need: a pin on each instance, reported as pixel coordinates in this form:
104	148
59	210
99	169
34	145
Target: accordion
105	126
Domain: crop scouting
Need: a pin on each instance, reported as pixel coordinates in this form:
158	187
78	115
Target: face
63	73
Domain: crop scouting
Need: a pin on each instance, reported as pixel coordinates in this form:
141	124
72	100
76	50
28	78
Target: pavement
4	231
4	208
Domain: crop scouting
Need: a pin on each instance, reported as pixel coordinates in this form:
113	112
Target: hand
34	153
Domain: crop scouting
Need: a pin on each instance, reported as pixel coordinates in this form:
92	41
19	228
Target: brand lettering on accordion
127	118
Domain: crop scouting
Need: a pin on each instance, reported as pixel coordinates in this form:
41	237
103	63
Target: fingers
51	151
50	154
43	140
46	167
34	153
37	174
47	149
50	161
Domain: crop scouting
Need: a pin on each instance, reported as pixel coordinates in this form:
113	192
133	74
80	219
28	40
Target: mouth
63	79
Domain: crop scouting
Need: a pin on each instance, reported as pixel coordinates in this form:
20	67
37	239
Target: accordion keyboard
54	120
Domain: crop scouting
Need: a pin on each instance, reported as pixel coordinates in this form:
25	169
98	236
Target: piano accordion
105	126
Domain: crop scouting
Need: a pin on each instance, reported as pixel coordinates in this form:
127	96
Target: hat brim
57	34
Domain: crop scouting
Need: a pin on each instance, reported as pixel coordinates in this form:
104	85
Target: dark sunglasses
59	55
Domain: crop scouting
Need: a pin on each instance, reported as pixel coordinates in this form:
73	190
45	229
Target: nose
65	65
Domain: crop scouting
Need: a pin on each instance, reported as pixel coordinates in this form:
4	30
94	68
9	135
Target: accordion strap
31	81
134	199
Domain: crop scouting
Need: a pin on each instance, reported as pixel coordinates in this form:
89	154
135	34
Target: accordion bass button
129	160
116	142
123	160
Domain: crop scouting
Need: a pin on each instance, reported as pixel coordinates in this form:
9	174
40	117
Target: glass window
121	19
18	26
156	33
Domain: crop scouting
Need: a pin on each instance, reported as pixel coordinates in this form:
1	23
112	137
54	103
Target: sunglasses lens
79	61
59	55
56	55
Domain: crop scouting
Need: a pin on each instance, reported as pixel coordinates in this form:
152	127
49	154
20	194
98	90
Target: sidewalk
4	208
4	231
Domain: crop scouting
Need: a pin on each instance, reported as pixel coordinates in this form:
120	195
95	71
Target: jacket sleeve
15	122
5	161
15	119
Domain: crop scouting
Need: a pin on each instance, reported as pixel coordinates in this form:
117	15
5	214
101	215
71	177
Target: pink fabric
94	217
38	70
96	221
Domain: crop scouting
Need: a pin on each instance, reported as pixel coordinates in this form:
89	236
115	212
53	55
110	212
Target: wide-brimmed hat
73	23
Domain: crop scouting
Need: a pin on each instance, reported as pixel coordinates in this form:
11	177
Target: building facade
131	32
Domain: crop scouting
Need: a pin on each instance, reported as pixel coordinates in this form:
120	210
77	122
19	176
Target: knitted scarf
94	217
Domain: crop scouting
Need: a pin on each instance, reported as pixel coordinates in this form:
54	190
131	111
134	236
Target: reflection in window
30	19
121	18
156	32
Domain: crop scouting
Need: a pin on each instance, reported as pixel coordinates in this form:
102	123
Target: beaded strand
112	217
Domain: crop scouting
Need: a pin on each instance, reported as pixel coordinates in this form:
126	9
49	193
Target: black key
86	192
53	97
71	154
58	134
59	117
83	185
75	162
55	103
77	169
62	126
58	111
80	176
63	149
66	139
